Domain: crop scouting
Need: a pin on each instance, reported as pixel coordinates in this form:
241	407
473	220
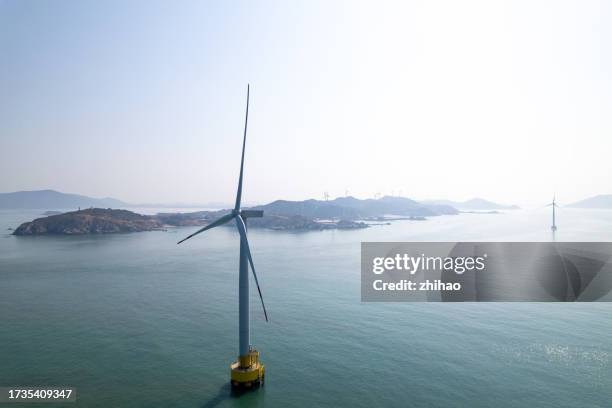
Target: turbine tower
247	370
554	222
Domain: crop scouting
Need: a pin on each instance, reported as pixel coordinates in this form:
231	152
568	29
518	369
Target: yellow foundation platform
247	371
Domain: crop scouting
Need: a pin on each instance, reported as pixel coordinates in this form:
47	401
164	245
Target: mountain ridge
342	207
54	200
354	208
598	201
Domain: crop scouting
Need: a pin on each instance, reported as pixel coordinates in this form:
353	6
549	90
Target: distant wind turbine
553	205
247	370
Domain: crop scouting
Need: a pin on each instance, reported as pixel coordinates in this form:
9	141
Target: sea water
133	320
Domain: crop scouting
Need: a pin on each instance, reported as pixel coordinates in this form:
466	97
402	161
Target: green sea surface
133	320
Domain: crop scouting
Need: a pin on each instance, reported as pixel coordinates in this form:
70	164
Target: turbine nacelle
251	213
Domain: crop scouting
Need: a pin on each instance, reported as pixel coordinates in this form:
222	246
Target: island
268	221
597	202
90	221
54	200
343	213
107	221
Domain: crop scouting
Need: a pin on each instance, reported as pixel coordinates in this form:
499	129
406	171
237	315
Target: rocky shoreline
90	221
108	221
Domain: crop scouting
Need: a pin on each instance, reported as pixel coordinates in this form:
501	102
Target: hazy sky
144	101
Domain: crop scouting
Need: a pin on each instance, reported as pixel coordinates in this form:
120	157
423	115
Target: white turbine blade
243	236
213	224
246	120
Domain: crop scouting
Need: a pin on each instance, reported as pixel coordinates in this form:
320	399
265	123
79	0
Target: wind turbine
553	205
247	370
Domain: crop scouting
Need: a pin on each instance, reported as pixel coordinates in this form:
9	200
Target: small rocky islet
90	221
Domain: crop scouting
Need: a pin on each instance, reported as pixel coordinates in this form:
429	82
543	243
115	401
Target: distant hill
479	204
600	201
351	208
54	200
